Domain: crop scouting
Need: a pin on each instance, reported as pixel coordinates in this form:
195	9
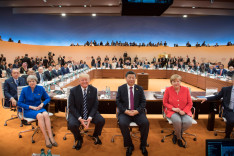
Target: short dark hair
130	72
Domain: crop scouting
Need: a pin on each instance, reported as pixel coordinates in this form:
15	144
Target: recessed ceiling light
193	7
85	6
94	15
60	6
185	16
110	4
63	14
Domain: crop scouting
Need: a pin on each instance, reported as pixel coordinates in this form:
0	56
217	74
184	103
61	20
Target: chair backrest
19	90
67	109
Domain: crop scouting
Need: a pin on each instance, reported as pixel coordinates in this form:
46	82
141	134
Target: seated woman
30	100
177	104
24	68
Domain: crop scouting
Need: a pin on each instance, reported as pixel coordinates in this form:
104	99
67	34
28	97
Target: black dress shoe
97	141
79	144
174	139
180	143
144	150
129	151
25	122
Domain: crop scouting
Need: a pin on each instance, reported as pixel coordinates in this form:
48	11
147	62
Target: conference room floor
12	145
154	84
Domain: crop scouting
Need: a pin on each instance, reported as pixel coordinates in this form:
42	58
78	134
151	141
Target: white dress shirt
129	103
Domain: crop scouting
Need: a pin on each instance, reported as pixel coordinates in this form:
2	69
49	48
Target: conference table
107	105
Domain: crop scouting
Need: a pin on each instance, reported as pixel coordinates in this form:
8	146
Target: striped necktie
85	109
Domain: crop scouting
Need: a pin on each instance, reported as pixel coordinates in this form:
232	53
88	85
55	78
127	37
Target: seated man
10	87
40	75
83	109
49	74
65	69
230	72
212	70
227	93
134	65
57	72
106	64
131	102
222	71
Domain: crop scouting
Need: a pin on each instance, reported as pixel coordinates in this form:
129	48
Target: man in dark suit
56	71
92	62
10	87
83	109
227	93
45	62
212	70
49	74
40	75
9	69
65	69
106	64
131	103
221	71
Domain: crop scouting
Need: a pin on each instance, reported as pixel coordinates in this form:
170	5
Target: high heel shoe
54	144
48	146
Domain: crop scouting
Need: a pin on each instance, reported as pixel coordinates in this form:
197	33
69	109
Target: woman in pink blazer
177	104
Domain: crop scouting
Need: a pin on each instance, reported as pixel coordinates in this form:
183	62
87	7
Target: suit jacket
212	71
39	78
122	100
10	89
134	66
76	102
35	67
15	66
229	73
49	75
56	73
224	72
225	93
64	70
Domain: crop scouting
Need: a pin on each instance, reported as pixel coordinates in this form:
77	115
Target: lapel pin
136	88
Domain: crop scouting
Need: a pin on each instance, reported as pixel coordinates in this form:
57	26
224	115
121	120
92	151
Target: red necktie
221	70
131	99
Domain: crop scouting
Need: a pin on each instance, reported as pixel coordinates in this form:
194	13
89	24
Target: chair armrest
193	110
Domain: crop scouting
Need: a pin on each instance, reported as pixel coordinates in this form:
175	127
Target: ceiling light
85	6
193	7
94	15
63	14
60	6
45	1
185	16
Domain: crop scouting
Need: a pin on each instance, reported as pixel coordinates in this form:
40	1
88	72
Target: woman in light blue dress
30	100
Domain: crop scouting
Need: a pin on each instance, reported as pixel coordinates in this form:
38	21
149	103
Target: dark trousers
74	124
229	115
140	120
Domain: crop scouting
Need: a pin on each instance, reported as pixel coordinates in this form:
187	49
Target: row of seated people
210	69
130	101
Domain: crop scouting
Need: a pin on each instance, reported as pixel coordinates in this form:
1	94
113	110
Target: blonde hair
174	77
31	77
84	76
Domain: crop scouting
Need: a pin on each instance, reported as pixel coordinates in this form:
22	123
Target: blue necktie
85	110
17	82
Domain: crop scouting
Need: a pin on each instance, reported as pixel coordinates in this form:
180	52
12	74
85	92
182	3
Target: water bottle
48	88
49	152
106	91
42	152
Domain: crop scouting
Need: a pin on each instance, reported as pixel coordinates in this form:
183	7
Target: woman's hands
37	108
178	110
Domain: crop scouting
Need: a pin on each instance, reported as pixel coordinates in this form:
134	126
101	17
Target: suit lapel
135	94
13	83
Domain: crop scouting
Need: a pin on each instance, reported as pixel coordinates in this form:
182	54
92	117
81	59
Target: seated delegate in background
65	69
212	70
49	74
30	100
131	103
57	72
221	71
40	75
227	93
8	71
177	104
25	76
24	68
10	87
230	72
